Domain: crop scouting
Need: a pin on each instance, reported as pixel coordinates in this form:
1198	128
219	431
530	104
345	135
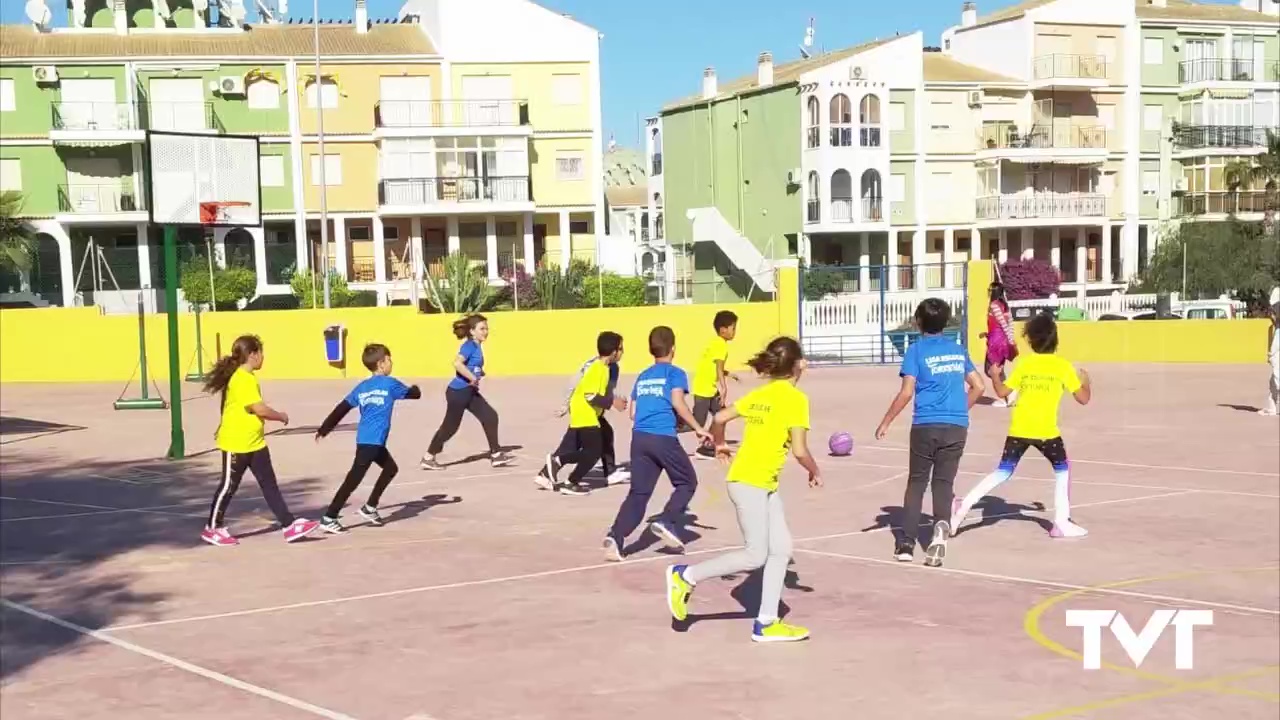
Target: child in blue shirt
657	401
375	396
937	372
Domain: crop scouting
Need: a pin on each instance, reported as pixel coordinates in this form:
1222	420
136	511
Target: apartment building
1068	130
451	128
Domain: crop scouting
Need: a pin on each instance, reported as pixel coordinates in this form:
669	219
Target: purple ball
841	444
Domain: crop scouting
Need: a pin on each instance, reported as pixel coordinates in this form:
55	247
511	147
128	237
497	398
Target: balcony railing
1221	136
451	113
1223	202
102	198
657	164
1054	136
428	191
1041	205
813	212
813	137
841	209
1220	69
872	209
93	116
1074	67
179	116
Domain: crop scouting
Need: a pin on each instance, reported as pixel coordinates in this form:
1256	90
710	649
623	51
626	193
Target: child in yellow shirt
777	421
1040	380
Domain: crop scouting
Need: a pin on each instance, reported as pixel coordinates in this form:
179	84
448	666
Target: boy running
710	389
583	442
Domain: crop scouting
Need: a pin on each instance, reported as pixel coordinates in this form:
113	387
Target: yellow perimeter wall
79	345
1169	341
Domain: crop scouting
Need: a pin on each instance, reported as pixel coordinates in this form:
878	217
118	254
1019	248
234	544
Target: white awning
1057	160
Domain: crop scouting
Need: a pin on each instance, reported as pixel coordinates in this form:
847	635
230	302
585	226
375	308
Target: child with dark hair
463	395
710	389
613	474
1040	379
1272	405
777	420
375	396
242	440
583	442
657	401
937	373
1002	348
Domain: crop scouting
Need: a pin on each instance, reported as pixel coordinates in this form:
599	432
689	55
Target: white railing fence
864	312
1097	305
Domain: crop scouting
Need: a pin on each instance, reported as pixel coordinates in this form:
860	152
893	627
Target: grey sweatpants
767	543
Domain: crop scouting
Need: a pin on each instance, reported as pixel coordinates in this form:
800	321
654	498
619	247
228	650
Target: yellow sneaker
778	631
678	592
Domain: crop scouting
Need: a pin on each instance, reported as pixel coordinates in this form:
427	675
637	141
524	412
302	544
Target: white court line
487	581
1174	468
100	509
181	664
1075	481
1047	583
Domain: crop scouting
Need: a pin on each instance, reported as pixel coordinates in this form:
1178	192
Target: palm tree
17	240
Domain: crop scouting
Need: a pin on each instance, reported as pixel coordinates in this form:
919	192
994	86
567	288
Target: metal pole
880	272
177	442
199	345
324	209
212	295
142	346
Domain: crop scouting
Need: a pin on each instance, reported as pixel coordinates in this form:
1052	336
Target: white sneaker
617	477
1267	412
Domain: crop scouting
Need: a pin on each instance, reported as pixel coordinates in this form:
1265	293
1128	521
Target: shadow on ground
56	554
991	508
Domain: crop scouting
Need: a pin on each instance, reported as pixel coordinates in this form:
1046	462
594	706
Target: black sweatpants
588	446
651	455
608	454
233	467
936	452
458	401
366	455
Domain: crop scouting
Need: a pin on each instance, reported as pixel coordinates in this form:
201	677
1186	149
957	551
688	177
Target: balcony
1226	137
189	117
1210	70
1227	203
872	209
842	210
1044	143
406	118
480	194
90	121
1068	72
100	202
656	169
997	209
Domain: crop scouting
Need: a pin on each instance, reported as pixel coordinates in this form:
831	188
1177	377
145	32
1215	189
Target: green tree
308	287
231	284
1262	172
1232	258
460	287
617	291
17	239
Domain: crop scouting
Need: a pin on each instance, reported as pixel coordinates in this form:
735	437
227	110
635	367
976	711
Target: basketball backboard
188	171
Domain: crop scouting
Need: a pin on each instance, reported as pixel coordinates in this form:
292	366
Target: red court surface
486	598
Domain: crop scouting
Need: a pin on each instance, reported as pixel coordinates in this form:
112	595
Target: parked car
1212	310
1138	315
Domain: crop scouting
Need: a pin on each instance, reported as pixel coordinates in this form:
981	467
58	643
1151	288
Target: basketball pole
177	440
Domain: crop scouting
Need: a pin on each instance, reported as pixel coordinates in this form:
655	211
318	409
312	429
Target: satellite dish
808	41
38	13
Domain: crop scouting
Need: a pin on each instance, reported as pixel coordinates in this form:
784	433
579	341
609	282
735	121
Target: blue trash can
333	345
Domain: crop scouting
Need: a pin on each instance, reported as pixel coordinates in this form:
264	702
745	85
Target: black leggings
588	444
608	455
366	455
233	467
457	401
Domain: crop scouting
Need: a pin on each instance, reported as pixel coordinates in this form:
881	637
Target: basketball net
214	212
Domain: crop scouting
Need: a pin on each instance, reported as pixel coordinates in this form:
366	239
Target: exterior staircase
710	226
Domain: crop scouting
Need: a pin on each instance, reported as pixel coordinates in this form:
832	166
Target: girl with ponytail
463	395
242	440
777	421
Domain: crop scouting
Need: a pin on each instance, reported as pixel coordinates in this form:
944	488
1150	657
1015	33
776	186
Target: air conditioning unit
231	85
793	176
975	98
1180	184
45	73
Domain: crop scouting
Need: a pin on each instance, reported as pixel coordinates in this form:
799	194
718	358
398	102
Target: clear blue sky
654	51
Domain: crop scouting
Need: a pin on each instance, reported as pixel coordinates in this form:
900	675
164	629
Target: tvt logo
1138	645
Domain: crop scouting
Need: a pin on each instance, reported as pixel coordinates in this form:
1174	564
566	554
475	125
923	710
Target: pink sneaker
219	537
300	529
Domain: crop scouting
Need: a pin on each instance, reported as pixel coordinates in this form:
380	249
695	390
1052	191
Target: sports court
485	598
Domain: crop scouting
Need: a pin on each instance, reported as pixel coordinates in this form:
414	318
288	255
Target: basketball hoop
216	212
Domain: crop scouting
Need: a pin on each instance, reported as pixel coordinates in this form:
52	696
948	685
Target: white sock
1061	495
766	621
981	490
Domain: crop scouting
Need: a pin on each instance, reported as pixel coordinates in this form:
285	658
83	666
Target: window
897	188
332	170
7	101
10	175
403	159
271	170
358	232
841	118
869	118
1153	51
579	227
569	166
566	89
1107	116
814	119
897	116
1107	49
1150	182
263	95
328	94
1152	118
505	229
